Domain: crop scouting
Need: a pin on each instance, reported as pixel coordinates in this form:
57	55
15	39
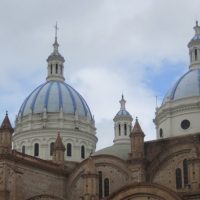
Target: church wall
166	174
26	182
111	168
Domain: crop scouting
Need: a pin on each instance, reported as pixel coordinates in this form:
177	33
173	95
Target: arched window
161	133
100	185
125	129
56	68
195	54
69	149
51	148
82	151
119	127
51	68
106	187
178	178
36	149
185	172
23	149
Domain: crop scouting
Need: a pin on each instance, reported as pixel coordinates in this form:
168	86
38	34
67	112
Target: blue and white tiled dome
187	86
52	96
123	113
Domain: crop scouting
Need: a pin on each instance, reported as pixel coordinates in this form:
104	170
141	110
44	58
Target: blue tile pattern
52	96
187	86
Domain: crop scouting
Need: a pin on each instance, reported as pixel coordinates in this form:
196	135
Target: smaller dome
187	86
123	113
119	150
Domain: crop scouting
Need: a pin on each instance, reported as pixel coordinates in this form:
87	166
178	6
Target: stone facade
151	175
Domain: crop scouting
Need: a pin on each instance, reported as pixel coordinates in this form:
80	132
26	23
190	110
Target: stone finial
59	144
197	28
137	129
6	125
122	103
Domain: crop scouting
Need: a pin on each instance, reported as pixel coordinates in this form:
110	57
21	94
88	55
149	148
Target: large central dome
53	107
53	96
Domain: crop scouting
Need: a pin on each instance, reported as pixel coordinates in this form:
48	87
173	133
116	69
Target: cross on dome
56	29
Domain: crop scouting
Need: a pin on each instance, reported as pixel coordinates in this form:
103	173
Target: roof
6	125
187	86
137	129
52	96
59	144
119	150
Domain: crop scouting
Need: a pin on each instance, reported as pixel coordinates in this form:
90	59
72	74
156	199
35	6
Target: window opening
161	133
185	172
100	185
51	69
119	127
69	149
51	148
23	149
178	178
106	187
195	54
36	149
125	129
82	152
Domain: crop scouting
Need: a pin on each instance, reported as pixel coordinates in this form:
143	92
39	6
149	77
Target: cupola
123	123
55	62
194	48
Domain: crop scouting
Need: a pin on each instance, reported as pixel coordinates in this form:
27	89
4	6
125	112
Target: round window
185	124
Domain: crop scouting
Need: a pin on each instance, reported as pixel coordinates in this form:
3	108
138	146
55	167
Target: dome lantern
55	62
123	123
194	48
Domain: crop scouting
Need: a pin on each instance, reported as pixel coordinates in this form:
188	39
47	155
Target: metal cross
56	29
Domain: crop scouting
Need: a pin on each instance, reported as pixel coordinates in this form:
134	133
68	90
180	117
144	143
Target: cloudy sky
138	48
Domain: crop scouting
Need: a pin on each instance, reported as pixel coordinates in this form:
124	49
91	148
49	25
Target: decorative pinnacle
6	113
197	28
122	102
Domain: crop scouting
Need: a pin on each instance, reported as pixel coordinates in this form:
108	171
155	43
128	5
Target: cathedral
50	153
